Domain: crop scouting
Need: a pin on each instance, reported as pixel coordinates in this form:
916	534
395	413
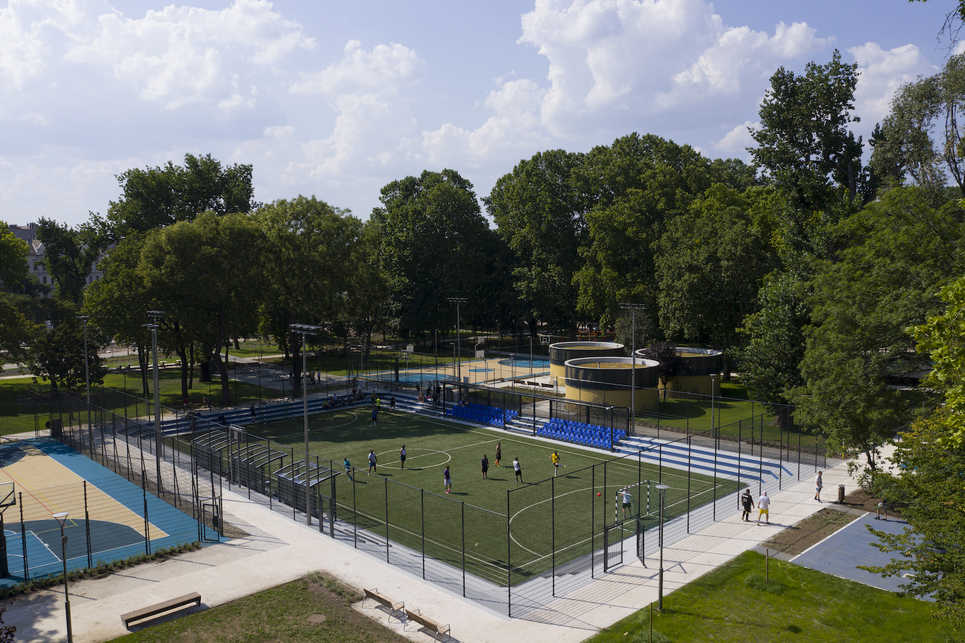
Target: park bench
385	601
426	622
160	608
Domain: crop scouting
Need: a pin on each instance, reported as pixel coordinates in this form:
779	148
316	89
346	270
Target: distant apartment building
35	256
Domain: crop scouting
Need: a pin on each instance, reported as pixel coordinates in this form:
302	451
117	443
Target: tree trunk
143	362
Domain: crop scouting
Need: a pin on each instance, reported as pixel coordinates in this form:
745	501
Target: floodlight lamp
663	487
61	516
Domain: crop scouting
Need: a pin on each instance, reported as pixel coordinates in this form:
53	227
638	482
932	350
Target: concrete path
279	550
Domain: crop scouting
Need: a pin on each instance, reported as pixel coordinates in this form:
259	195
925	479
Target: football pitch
499	528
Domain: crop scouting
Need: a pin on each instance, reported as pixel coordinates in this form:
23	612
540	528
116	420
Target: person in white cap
763	505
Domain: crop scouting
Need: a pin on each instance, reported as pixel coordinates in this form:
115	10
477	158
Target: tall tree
13	271
431	228
898	251
539	212
309	263
208	274
69	256
804	142
161	196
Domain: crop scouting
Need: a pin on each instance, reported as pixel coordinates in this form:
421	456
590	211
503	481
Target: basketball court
105	517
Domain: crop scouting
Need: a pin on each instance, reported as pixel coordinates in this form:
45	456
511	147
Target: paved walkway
279	550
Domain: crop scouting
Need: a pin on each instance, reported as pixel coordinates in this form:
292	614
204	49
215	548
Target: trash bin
841	493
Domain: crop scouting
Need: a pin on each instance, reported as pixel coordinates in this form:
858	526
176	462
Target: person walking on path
763	509
882	511
518	469
818	485
747	503
485	467
499	452
392	403
372	461
348	469
252	411
402	456
447	480
556	463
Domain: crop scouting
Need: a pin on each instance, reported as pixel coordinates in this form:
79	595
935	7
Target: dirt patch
812	530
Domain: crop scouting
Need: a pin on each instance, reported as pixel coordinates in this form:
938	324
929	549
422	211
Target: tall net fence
555	535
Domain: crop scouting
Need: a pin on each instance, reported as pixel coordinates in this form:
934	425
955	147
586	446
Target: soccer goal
639	500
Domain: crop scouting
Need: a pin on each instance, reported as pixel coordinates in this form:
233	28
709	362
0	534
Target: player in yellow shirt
556	463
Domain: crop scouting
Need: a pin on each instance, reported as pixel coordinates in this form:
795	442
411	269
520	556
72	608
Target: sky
337	99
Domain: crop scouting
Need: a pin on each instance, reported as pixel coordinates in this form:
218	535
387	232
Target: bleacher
592	435
482	414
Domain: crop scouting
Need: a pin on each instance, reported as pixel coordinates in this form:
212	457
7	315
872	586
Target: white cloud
882	73
623	61
385	69
737	140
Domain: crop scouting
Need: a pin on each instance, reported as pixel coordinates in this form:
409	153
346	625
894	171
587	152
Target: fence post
689	453
509	556
23	539
147	529
386	486
422	528
462	517
553	530
90	556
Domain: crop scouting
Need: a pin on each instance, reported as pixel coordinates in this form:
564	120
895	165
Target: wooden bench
427	622
160	608
385	601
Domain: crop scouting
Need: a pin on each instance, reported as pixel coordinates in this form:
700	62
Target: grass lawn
414	496
314	608
16	411
734	604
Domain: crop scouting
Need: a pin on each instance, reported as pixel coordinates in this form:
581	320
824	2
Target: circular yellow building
610	380
561	352
702	362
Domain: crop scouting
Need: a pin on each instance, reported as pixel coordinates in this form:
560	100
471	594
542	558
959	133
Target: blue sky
336	99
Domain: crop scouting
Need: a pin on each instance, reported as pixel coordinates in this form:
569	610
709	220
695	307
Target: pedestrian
556	463
818	485
392	403
447	480
252	411
402	456
518	469
372	461
375	416
882	511
485	467
348	469
499	452
626	499
221	419
747	503
763	509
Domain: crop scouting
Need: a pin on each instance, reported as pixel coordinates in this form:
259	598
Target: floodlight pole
663	489
61	518
90	429
633	308
305	330
156	316
457	301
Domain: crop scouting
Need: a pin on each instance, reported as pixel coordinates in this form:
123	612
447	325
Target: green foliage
56	347
539	195
69	255
897	253
932	466
156	197
13	258
804	144
431	230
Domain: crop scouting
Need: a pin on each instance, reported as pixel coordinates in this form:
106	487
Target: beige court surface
44	487
481	370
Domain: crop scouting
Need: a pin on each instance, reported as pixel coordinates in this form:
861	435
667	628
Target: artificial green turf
546	513
734	604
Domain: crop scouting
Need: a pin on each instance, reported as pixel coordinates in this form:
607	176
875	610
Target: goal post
642	498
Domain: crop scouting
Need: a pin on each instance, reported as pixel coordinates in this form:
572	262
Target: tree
671	364
156	197
905	145
208	274
69	256
540	195
898	251
13	271
309	263
56	348
804	144
634	187
431	228
710	265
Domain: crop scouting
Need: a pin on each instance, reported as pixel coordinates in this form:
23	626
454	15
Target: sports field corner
278	550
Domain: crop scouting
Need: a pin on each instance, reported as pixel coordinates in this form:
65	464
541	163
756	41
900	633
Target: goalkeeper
627	500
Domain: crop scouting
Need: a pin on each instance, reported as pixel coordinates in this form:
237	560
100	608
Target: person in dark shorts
447	480
518	469
392	403
402	456
485	467
372	462
375	416
747	503
499	452
348	469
